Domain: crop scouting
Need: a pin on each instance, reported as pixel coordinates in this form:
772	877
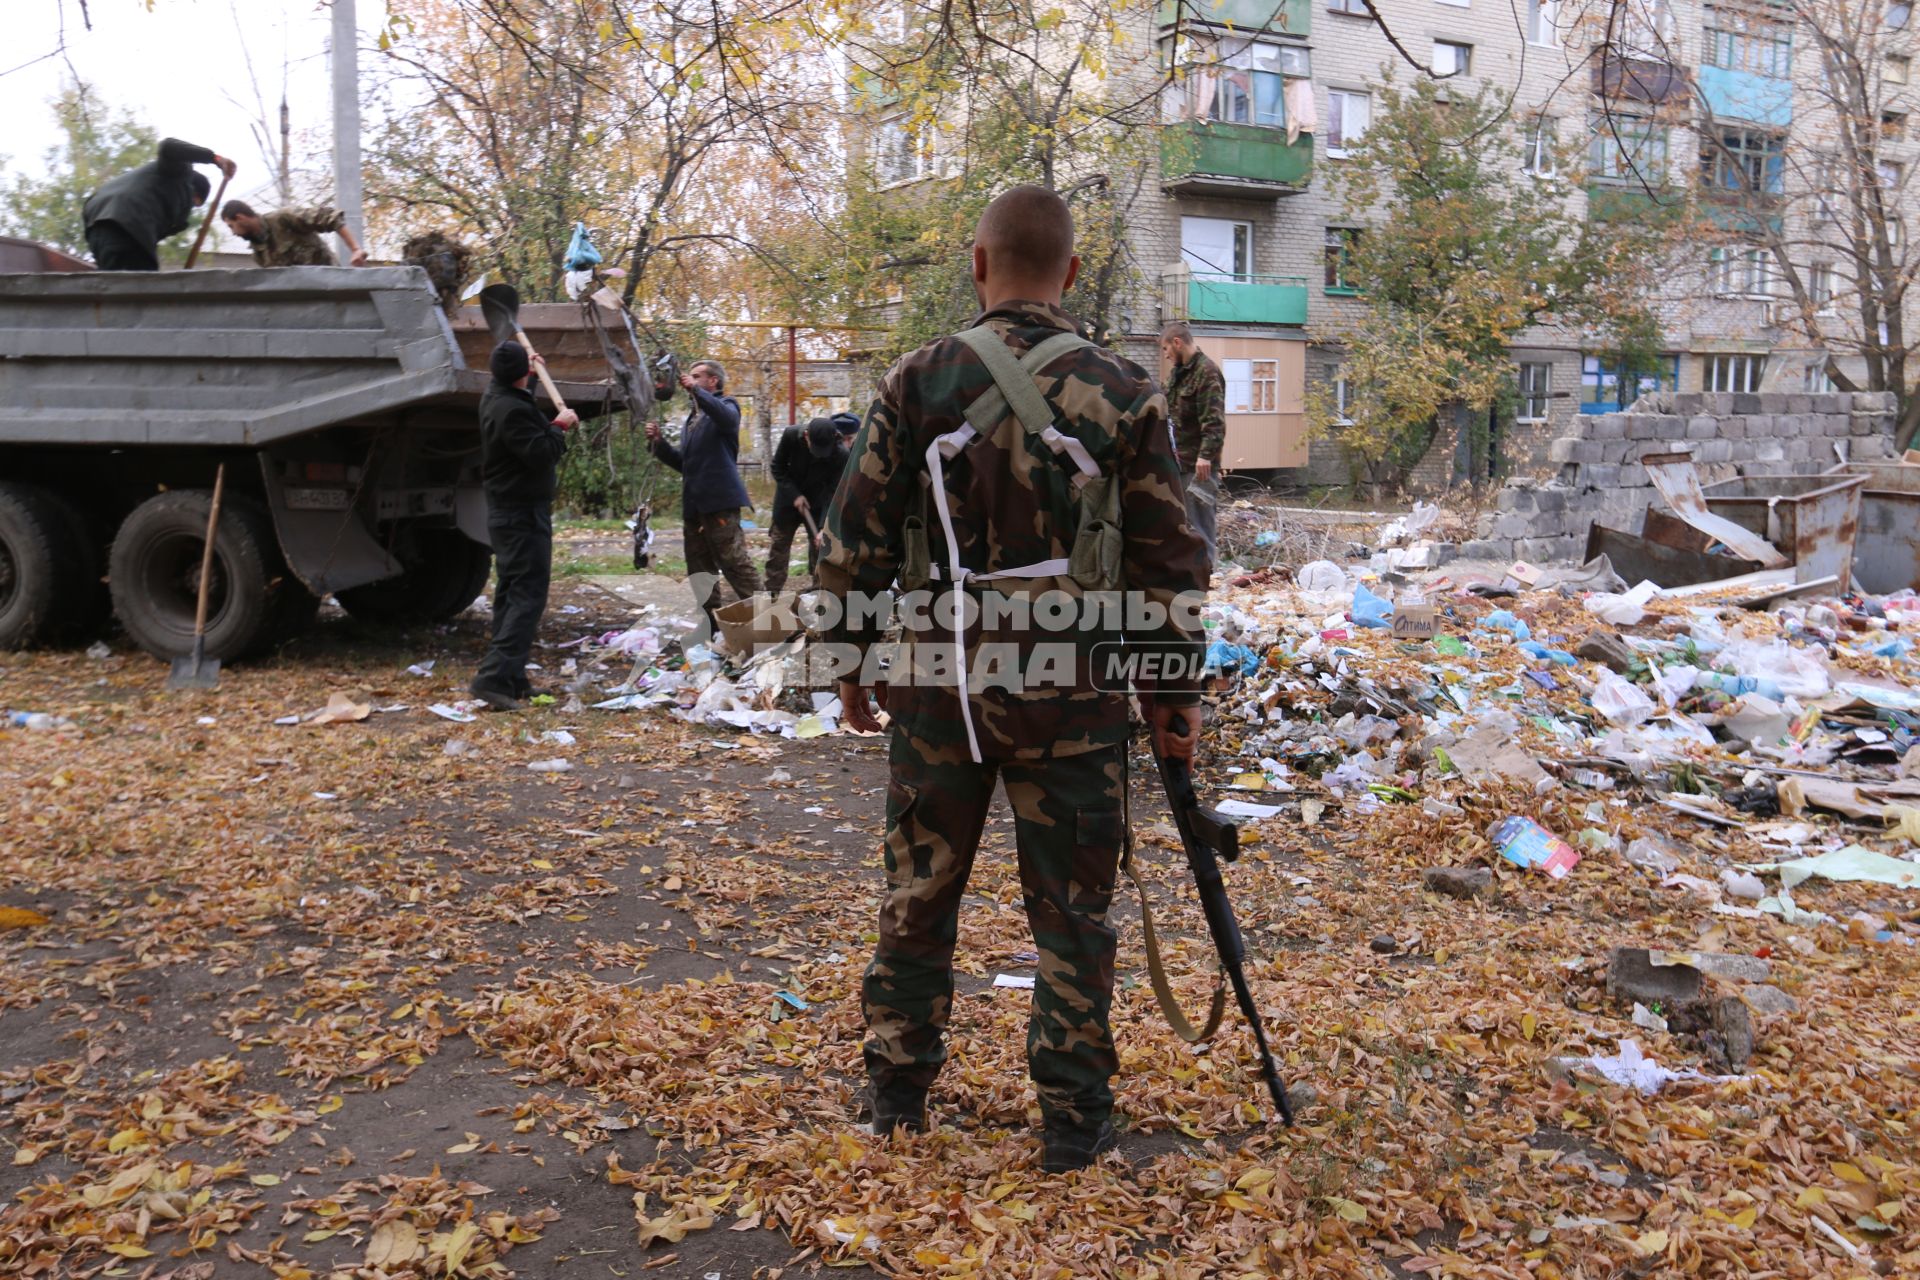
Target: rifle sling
1156	972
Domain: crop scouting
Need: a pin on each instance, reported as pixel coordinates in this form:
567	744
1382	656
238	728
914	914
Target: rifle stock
1208	838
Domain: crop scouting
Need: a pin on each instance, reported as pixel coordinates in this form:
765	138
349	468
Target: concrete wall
1600	479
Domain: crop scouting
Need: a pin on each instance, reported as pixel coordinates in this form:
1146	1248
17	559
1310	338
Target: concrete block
1744	402
1607	426
1734	428
1517	500
1836	424
1563	449
1546	550
1512	525
1632	476
1798	404
1714	451
1872	448
1865	424
1550	499
1483	524
1769	451
1717	403
1589	451
1645	427
1486	549
1602	475
1703	427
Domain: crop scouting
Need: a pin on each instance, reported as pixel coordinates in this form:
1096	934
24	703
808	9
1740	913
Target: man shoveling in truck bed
291	237
128	217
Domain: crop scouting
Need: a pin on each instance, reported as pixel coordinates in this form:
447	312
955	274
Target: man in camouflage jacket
1058	741
1197	400
291	237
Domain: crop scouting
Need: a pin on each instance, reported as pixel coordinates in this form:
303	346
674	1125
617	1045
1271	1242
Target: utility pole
346	119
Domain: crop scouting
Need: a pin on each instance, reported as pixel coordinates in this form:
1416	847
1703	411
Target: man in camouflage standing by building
291	237
1013	496
1197	402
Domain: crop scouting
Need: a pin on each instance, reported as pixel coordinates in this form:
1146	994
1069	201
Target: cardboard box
1416	622
751	625
1523	573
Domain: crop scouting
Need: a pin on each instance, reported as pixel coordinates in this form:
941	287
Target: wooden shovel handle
193	254
206	555
540	370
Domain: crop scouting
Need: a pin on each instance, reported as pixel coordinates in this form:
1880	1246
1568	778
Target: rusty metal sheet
1641	559
1672	531
1813	519
1673	475
1886	549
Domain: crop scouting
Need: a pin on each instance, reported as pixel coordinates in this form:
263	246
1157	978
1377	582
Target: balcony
1222	298
1208	158
1245	16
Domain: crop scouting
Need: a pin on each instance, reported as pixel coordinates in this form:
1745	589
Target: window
1893	69
901	154
1458	4
1890	173
1734	373
1217	247
1635	28
1608	387
1342	399
1253	386
1740	273
1543	20
1899	13
1534	382
1745	160
1354	7
1450	59
1893	125
1537	149
1815	379
1742	41
1348	115
1239	81
1826	190
1340	242
1820	287
1627	149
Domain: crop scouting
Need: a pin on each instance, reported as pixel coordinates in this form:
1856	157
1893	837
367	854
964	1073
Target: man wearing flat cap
806	470
520	455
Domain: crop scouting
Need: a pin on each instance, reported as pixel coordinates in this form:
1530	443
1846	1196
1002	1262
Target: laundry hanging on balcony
1298	96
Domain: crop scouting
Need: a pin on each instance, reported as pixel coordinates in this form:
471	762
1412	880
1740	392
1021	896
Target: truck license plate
317	499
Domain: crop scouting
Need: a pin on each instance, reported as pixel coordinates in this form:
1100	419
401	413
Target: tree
1458	262
97	143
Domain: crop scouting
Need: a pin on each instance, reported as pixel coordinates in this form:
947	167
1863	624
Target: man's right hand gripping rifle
1207	838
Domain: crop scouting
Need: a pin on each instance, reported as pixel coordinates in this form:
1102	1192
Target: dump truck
342	402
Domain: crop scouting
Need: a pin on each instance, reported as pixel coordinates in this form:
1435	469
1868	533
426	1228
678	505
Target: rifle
1207	838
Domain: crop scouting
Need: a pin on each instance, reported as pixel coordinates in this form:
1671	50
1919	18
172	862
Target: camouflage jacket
291	237
1197	400
1013	504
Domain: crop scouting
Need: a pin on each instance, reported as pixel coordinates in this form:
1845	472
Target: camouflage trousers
780	551
1067	824
716	549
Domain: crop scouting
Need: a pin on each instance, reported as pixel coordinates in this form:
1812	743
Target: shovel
500	304
193	254
199	671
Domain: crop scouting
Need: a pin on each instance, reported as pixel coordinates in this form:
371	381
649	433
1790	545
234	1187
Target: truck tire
154	572
85	604
442	571
40	561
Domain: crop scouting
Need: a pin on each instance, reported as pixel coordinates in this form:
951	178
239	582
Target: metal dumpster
1886	552
1813	520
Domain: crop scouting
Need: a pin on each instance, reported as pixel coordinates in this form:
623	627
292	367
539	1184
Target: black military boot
1070	1149
890	1109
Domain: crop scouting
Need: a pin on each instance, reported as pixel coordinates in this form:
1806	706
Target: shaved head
1027	234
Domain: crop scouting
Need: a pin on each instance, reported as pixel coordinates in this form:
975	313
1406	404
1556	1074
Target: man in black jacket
520	453
128	217
711	494
806	470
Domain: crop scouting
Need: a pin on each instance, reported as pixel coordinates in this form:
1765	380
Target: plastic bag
580	251
1620	701
1621	610
1370	610
1321	576
1503	620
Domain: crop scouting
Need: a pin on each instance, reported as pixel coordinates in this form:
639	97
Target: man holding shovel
520	455
806	468
711	493
128	217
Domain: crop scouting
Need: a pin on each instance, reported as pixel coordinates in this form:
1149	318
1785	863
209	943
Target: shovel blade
189	673
500	306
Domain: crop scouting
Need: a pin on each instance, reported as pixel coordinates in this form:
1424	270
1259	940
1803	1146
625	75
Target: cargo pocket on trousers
1096	857
900	859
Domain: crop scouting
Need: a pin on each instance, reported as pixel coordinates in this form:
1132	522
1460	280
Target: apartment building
1247	243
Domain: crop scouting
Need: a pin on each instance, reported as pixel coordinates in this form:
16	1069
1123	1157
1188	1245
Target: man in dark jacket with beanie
806	470
711	494
520	453
128	217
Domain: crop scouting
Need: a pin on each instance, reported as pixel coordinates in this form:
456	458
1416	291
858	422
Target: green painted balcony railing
1223	298
1203	154
1290	16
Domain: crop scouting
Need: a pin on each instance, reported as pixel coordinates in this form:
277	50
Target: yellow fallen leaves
394	1244
671	1227
1347	1210
21	918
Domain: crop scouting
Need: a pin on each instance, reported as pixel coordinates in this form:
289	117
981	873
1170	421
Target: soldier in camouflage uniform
1197	401
1058	749
291	237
